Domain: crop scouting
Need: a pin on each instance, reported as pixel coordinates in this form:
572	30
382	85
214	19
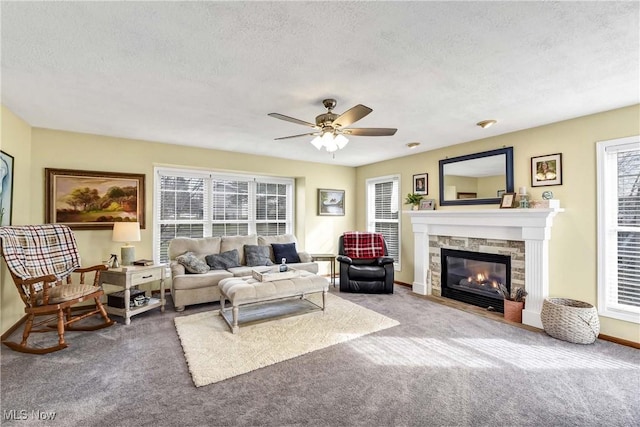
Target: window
619	228
382	212
203	204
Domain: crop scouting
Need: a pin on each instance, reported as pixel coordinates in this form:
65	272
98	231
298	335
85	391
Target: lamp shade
126	232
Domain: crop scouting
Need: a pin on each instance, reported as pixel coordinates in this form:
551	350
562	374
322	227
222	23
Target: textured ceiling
207	73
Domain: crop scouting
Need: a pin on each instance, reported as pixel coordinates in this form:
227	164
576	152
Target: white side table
128	277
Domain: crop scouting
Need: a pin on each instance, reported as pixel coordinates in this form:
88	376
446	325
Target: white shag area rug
214	354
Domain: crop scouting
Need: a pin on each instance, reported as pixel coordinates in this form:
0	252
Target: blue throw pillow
287	251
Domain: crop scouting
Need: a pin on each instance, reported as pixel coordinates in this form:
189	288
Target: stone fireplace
521	234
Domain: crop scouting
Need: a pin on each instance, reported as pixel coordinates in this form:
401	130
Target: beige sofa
188	288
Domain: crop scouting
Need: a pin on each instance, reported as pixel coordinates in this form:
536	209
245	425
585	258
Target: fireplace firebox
473	277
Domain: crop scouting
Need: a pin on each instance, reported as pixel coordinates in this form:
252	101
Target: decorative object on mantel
547	201
413	199
545	204
546	170
513	305
427	204
524	198
421	184
508	201
570	320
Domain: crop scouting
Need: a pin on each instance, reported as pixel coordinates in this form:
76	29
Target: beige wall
15	139
56	149
573	239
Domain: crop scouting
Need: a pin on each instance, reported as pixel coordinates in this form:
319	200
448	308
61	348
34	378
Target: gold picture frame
508	201
93	200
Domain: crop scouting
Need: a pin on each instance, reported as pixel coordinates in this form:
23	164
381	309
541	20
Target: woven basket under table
570	320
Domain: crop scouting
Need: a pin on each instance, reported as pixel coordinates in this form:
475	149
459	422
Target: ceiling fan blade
370	131
297	136
352	115
291	119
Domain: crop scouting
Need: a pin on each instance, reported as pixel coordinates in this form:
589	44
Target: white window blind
201	204
382	212
619	228
272	208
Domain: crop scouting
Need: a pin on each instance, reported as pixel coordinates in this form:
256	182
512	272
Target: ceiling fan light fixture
341	141
330	129
317	142
486	123
330	141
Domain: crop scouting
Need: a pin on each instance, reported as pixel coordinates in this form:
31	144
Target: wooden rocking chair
41	259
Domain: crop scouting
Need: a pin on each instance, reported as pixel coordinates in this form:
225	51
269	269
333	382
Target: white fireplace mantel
533	226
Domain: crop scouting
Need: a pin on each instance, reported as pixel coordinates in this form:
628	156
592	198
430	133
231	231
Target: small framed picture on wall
421	184
546	170
330	202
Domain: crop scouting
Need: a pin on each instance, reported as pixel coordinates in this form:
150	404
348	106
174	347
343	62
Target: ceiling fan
331	128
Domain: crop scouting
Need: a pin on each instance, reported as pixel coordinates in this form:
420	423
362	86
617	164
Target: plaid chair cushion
37	250
358	244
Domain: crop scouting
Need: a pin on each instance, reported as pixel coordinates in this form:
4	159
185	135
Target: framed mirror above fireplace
476	179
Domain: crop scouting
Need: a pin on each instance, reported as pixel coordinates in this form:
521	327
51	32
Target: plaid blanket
37	250
358	244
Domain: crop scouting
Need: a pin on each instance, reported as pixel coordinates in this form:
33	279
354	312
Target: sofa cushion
202	246
256	255
224	260
237	242
286	251
192	263
197	281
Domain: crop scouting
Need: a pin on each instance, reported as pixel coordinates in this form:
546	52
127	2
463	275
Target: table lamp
126	232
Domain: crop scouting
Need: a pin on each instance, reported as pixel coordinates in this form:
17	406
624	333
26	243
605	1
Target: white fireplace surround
533	226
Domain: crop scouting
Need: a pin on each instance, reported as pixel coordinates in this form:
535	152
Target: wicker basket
570	320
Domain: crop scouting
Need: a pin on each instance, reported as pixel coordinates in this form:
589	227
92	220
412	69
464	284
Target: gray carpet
439	367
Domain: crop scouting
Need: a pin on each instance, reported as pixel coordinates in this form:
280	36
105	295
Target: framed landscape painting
330	202
93	200
6	187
